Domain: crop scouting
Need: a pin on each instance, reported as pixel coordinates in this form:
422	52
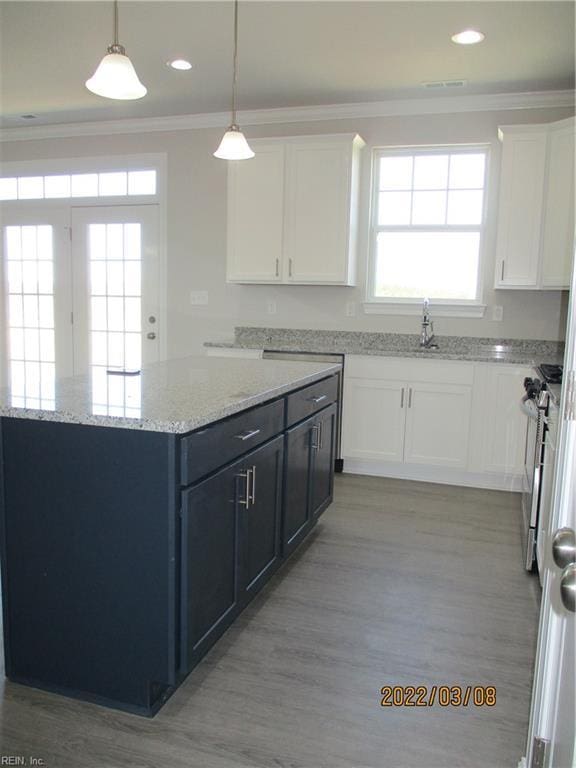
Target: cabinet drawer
222	442
313	398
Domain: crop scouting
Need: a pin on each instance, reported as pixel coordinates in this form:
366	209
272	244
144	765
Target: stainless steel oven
535	405
540	403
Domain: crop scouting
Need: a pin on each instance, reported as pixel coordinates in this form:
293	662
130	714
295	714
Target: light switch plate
198	298
497	312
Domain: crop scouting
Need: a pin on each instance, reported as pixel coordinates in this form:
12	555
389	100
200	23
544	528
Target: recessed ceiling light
468	37
180	64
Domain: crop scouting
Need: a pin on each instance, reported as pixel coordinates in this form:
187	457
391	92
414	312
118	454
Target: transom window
66	185
427	224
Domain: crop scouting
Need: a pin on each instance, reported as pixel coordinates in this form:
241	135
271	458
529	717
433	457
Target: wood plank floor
402	583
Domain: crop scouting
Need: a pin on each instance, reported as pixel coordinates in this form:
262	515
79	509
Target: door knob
564	547
568	587
151	335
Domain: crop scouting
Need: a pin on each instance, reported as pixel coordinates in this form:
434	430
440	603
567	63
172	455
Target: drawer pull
315	437
318	399
245	502
247	435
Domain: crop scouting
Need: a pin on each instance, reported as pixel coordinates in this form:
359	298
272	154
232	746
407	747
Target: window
109	184
427	223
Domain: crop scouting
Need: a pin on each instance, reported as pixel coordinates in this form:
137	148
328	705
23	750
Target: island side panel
89	560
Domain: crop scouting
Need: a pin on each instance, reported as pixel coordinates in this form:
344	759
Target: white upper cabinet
536	207
521	194
292	211
256	216
558	223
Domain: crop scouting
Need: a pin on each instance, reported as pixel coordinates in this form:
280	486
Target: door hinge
539	751
570	402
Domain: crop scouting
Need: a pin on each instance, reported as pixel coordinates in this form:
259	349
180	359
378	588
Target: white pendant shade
116	78
234	146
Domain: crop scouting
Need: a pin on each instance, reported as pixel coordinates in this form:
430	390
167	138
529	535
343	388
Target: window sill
437	309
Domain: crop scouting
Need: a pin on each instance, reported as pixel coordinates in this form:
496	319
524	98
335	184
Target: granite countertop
174	396
466	348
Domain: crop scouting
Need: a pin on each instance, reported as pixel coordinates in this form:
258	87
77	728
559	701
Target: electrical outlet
350	308
198	298
271	307
497	312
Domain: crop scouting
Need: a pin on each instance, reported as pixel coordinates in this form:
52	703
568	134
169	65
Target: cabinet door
297	486
373	418
520	209
558	235
260	507
322	474
437	424
317	211
505	423
256	216
209	548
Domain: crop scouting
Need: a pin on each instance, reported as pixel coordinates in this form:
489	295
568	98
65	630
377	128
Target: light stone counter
174	396
513	351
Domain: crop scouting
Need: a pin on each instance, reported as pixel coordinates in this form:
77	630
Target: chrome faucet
427	333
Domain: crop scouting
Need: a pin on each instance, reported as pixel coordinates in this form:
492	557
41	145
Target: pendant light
116	77
234	145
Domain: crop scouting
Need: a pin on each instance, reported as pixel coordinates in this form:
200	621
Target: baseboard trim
427	474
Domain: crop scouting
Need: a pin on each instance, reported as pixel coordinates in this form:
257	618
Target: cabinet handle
315	433
289	267
402	398
410	398
277	268
246	476
321	437
247	435
253	484
318	399
502	271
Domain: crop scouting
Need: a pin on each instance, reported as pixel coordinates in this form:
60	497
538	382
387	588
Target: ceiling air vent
436	84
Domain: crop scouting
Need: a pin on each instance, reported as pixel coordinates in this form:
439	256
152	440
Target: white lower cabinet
406	412
373	419
437	425
435	420
499	423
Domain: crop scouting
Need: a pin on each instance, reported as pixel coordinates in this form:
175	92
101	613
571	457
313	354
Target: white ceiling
295	53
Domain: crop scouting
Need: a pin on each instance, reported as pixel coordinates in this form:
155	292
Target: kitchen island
143	511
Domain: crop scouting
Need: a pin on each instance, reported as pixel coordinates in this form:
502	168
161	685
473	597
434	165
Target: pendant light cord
116	22
235	65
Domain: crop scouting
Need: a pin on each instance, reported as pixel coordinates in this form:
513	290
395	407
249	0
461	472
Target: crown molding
391	108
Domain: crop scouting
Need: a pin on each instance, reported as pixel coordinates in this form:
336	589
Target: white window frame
473	308
99	164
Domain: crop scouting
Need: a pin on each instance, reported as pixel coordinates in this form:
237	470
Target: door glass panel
31	349
115	298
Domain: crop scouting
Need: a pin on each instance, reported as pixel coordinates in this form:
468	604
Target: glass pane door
115	301
36	343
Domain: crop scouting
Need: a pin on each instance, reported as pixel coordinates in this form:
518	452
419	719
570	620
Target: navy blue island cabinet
126	553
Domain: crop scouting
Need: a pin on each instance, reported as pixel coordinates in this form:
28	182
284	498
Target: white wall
196	231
